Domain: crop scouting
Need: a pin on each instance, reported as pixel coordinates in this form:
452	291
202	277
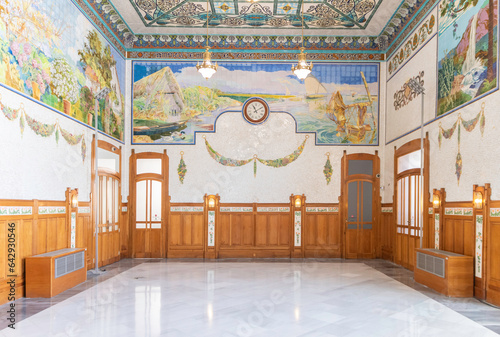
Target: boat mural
172	102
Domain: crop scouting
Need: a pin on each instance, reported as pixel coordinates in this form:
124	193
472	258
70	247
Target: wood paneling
186	234
322	234
492	243
458	231
459	278
387	234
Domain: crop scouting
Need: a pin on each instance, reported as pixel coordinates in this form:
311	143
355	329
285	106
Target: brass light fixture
436	202
207	68
302	69
478	200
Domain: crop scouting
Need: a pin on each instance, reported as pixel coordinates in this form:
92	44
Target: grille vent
69	263
431	264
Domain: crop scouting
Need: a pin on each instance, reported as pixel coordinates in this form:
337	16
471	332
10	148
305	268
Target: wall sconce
74	201
298	202
478	200
436	202
211	201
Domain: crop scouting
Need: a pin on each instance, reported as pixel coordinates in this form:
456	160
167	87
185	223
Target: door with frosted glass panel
148	190
359	200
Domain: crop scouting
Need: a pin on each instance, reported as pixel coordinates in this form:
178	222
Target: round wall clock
255	110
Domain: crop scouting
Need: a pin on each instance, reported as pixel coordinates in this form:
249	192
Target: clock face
255	110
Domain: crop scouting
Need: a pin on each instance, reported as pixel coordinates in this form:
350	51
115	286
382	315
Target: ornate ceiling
333	29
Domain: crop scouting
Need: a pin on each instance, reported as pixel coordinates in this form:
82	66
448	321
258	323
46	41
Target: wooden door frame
163	178
409	147
101	144
376	199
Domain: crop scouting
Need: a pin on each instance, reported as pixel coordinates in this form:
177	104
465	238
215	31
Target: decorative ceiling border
407	17
255	56
112	25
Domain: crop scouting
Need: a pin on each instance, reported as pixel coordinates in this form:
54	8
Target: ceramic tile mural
211	228
273	209
322	209
236	209
337	102
50	52
479	245
298	228
186	209
467	52
16	210
436	231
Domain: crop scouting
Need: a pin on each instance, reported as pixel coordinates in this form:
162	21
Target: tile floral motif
479	245
273	209
387	210
237	209
421	36
84	209
51	210
322	209
73	229
211	228
16	210
406	94
436	231
298	228
124	209
186	209
431	210
448	211
495	212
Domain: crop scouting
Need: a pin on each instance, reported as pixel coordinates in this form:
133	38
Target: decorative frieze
458	211
16	210
322	209
237	209
273	209
51	210
186	209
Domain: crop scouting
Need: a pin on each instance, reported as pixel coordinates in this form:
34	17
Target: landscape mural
337	102
467	52
50	52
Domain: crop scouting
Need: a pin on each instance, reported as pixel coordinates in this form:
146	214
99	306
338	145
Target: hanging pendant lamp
207	68
302	69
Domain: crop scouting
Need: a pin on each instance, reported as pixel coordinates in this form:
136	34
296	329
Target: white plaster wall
35	167
480	160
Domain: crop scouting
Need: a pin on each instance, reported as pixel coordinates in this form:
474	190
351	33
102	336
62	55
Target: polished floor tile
253	298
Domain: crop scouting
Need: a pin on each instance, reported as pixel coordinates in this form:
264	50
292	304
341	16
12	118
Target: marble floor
252	298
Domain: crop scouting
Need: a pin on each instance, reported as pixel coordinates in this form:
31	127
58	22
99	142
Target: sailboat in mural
314	88
338	111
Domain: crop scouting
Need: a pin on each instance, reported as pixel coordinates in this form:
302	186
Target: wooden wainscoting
387	232
85	230
124	231
492	252
254	230
322	231
186	231
458	228
40	227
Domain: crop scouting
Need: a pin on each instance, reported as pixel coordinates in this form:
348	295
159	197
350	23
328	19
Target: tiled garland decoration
431	210
458	211
322	209
386	209
298	228
479	245
211	228
84	209
237	209
51	210
273	209
436	231
73	229
16	210
186	209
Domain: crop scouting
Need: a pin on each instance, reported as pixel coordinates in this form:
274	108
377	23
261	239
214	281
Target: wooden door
359	221
149	203
109	221
148	220
360	204
408	219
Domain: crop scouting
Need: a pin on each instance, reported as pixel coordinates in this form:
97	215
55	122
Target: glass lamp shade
302	69
207	68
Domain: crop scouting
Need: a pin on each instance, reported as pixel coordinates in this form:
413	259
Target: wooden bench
54	272
448	273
